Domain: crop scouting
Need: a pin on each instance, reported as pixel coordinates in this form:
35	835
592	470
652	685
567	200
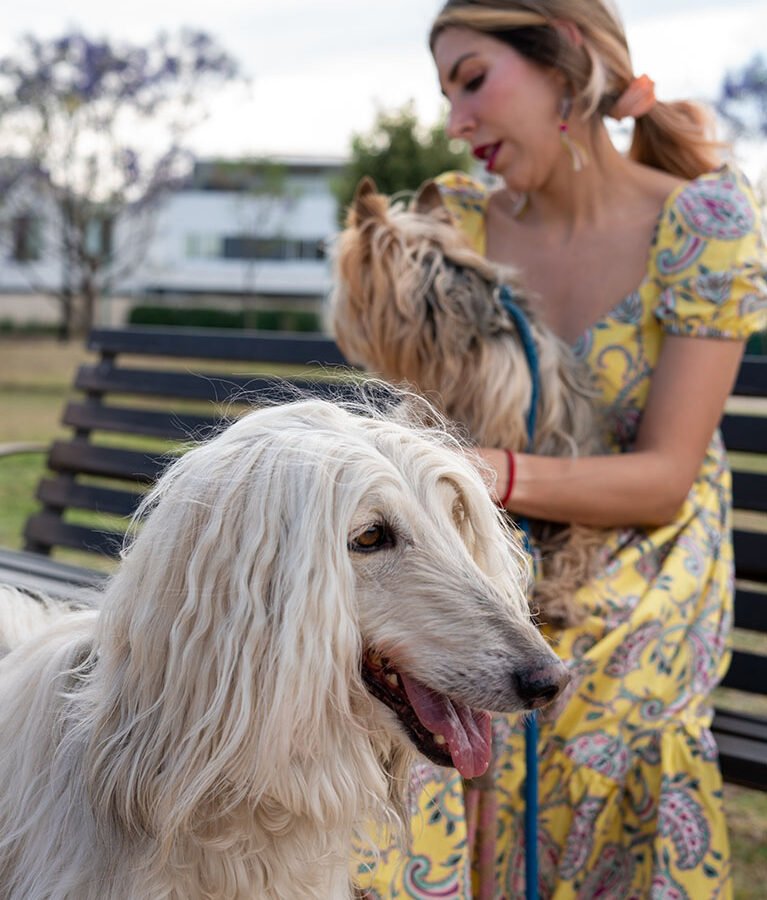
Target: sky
319	70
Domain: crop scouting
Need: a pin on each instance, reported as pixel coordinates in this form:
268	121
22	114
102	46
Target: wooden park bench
152	389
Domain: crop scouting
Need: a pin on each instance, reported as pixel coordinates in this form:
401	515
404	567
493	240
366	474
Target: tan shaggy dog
313	596
414	303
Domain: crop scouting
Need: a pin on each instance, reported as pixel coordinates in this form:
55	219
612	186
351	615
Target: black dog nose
539	685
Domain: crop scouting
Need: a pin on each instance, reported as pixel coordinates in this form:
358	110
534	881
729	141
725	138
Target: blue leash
531	725
531	354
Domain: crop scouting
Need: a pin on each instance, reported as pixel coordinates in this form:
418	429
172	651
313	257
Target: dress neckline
667	204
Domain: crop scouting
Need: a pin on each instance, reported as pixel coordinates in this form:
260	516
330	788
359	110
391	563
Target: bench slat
740	724
747	672
67	494
20	562
750	556
48	530
110	462
745	434
206	387
752	377
146	422
216	343
750	611
743	761
749	491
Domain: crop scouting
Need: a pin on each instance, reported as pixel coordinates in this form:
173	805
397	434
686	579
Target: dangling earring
576	150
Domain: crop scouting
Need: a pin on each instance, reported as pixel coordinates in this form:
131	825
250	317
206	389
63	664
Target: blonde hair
675	137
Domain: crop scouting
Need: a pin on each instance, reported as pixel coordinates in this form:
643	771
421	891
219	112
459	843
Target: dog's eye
373	537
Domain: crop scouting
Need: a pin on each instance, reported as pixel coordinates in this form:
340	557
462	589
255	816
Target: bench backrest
150	391
744	428
132	414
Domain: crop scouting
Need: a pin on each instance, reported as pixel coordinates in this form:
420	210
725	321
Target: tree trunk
65	321
83	308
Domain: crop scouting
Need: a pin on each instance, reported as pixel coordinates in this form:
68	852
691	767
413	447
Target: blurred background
188	162
318	71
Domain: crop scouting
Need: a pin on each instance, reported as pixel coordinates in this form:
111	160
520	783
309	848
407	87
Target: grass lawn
35	375
35	379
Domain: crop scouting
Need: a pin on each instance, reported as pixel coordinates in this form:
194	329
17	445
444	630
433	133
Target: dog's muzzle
443	730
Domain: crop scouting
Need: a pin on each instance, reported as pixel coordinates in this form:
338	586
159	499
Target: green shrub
10	326
757	343
260	319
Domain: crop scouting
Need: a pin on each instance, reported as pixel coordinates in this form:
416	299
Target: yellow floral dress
630	791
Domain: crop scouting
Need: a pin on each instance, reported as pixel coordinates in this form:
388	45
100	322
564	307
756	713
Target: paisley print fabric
630	792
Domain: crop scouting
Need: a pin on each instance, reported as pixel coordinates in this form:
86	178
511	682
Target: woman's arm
646	486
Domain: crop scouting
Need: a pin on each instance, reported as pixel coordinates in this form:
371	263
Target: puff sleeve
466	199
709	260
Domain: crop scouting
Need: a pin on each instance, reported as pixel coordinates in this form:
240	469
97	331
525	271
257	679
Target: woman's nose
459	124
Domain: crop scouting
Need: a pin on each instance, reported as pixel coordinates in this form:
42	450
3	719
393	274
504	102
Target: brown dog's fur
414	303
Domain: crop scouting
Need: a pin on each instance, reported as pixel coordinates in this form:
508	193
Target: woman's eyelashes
474	83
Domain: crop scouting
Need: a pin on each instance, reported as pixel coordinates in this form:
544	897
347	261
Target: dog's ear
365	186
428	202
428	198
367	203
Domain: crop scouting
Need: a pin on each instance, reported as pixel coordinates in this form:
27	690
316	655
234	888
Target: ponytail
678	138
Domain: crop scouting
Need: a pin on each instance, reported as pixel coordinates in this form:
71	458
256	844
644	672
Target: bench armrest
16	448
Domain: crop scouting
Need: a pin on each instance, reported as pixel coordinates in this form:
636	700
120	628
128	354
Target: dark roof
253	174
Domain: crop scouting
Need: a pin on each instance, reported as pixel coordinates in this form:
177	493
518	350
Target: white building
229	232
234	233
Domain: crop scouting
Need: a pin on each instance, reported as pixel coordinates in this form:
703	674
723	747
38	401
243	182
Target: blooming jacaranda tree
743	99
99	129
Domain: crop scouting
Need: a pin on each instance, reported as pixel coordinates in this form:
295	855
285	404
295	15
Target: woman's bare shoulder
658	185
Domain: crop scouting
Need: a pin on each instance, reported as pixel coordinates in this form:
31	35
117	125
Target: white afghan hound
415	304
311	596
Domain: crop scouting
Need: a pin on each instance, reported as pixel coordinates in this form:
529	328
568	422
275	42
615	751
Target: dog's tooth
440	739
393	679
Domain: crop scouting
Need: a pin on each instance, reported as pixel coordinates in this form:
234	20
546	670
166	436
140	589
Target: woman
651	267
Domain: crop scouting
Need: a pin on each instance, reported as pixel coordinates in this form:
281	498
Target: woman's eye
374	537
474	84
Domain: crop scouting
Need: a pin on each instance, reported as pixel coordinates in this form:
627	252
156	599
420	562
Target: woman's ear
570	31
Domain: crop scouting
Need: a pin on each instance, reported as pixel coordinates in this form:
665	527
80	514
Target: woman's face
505	107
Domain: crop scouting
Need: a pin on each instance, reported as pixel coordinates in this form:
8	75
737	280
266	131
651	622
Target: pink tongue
466	731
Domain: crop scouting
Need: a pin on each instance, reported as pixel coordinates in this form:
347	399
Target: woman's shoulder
711	221
718	206
466	198
463	190
709	261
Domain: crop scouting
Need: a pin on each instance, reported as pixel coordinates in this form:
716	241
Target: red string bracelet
510	486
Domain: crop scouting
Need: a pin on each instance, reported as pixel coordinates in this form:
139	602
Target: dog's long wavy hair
415	304
209	733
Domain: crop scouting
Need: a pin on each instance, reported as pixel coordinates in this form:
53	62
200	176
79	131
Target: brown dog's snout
540	684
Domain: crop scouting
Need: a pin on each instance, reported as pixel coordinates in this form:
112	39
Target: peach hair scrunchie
637	100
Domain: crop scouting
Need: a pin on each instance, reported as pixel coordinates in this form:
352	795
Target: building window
245	247
98	238
311	249
27	235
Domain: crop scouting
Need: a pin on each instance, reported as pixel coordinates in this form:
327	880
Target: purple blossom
72	93
743	98
129	162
